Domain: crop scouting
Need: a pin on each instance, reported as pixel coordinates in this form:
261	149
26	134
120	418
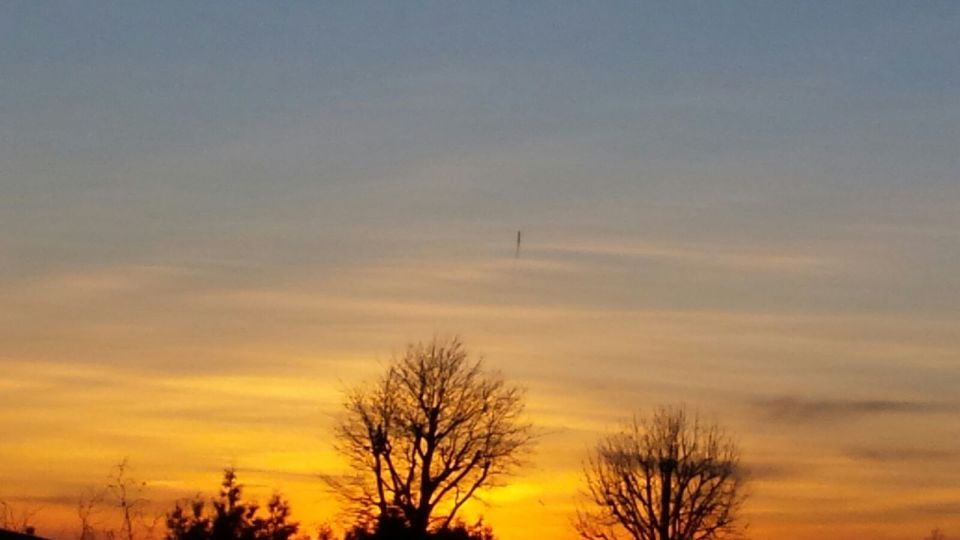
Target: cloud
890	455
710	256
769	471
298	475
945	508
789	409
34	503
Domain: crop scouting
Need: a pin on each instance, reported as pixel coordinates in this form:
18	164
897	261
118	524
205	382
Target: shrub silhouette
232	518
396	528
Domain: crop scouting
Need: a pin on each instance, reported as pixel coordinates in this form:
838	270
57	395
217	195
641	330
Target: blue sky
757	100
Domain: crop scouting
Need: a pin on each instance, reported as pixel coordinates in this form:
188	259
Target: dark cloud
948	508
32	503
889	455
288	474
769	471
789	409
280	412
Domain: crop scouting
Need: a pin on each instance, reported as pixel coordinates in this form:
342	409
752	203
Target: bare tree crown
434	430
666	477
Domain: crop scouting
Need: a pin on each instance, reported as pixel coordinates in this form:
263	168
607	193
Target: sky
215	218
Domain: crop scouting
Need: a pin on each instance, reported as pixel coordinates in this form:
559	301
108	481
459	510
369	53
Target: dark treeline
230	517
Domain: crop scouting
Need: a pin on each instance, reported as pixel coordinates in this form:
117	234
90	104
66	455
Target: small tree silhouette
127	493
17	521
86	511
667	477
232	517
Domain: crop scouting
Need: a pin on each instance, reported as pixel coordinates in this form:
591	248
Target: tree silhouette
16	521
397	529
667	477
126	492
127	496
427	436
86	510
232	517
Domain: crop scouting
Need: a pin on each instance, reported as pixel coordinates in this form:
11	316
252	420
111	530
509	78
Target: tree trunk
666	478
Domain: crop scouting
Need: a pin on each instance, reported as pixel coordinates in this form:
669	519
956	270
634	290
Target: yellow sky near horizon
253	379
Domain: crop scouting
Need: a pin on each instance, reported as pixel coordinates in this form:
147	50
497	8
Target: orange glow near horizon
273	420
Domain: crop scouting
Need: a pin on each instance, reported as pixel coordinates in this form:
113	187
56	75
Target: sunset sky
215	217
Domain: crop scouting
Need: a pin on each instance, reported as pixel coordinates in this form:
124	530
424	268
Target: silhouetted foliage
325	532
430	433
396	528
232	517
936	534
666	477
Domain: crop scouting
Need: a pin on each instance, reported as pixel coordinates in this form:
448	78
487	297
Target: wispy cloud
893	455
704	255
319	475
939	508
790	409
767	471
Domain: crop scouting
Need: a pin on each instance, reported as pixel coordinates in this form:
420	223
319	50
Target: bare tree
127	494
17	521
86	511
434	430
666	477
